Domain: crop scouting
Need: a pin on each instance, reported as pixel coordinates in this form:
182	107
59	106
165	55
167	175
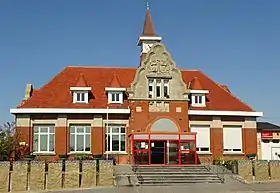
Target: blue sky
236	43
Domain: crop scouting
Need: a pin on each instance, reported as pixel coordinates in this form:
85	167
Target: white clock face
147	47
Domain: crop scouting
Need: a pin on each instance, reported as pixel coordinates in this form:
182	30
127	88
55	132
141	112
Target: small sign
147	147
152	144
143	145
267	135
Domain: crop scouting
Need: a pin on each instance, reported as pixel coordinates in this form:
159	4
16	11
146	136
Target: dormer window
158	88
80	97
80	92
198	100
115	91
115	97
198	93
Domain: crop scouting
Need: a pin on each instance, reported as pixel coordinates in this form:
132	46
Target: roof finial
147	5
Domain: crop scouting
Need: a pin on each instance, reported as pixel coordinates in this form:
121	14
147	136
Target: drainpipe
107	118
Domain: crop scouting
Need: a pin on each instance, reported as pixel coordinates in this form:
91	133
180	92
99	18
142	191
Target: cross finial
147	4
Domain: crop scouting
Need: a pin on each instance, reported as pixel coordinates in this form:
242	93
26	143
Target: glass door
141	152
172	155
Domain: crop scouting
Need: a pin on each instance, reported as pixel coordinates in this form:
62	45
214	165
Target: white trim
69	110
80	88
115	89
150	38
199	91
227	113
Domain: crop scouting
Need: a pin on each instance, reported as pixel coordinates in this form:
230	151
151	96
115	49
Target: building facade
268	139
153	114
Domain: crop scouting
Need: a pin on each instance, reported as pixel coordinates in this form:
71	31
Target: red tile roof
55	94
81	82
115	83
195	84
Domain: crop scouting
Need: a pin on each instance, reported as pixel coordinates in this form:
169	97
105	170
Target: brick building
168	115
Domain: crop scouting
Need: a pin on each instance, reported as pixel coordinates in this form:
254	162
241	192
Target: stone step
178	176
186	181
172	173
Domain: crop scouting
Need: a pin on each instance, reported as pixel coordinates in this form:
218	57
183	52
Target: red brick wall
142	121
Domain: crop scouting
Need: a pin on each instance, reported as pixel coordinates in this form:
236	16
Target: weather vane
147	4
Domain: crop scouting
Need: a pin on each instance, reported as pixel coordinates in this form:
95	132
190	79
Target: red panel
267	135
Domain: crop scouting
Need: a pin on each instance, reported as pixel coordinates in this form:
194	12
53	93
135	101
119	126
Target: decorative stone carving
158	64
158	107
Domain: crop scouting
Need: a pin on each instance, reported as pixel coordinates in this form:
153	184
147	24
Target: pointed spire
115	82
196	85
81	82
148	29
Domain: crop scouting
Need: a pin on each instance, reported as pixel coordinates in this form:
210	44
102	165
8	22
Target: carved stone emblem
159	67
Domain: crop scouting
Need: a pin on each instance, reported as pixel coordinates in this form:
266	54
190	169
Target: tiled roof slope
56	93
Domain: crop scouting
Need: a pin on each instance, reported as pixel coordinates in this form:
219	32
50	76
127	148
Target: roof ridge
230	93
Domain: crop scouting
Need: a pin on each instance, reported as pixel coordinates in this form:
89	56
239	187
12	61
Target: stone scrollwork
159	63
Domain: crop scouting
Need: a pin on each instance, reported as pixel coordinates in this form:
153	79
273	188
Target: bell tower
148	36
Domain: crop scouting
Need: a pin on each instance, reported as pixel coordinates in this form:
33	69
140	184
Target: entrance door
157	152
275	153
172	152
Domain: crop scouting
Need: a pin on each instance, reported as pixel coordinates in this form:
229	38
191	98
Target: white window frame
84	134
109	131
232	144
77	99
50	132
110	97
196	101
161	83
203	140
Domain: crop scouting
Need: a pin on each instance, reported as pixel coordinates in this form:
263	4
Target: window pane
80	129
51	129
72	142
78	96
117	97
87	148
80	143
72	129
123	130
115	130
115	143
43	142
82	96
196	99
44	129
113	97
87	129
36	129
123	143
51	144
35	142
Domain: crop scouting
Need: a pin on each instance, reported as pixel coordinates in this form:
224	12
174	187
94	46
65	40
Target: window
115	97
166	89
43	139
115	138
202	138
158	88
198	100
151	86
80	138
80	97
232	136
